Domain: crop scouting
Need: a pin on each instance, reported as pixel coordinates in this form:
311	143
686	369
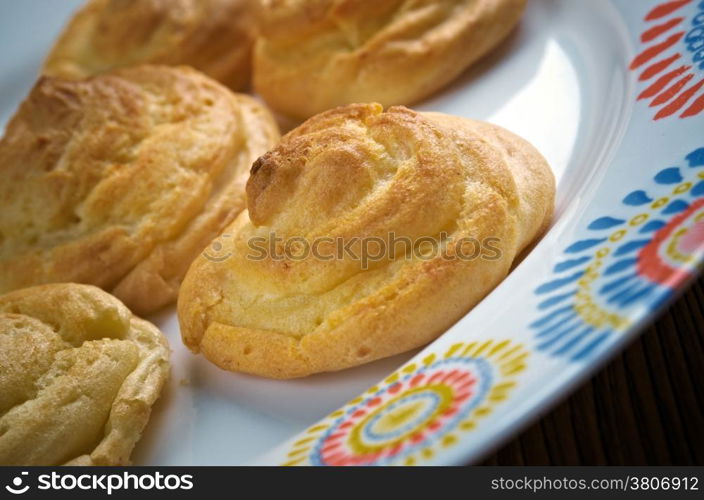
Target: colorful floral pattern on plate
636	258
417	410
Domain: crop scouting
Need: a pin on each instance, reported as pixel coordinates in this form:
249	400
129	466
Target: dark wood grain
645	408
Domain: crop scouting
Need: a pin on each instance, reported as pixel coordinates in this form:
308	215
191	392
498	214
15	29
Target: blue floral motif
617	266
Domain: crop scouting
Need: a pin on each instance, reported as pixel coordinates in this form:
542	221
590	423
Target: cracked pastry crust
361	172
213	36
313	55
120	180
79	376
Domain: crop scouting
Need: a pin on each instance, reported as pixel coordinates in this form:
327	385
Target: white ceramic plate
611	92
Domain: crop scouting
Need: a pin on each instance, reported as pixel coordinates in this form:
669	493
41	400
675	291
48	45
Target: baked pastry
213	36
79	376
121	180
313	55
450	202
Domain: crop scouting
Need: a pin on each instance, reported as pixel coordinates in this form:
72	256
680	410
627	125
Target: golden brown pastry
313	55
213	36
357	175
79	376
121	180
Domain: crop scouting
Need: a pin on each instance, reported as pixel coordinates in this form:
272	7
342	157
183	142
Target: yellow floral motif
682	188
639	219
590	312
660	202
618	235
395	420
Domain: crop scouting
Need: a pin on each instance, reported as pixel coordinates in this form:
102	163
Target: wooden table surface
645	408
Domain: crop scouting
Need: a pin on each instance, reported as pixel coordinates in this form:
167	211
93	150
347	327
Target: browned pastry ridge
361	172
79	375
313	55
122	179
213	36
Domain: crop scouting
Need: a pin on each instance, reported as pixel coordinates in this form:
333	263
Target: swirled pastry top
213	36
121	180
79	376
313	55
349	176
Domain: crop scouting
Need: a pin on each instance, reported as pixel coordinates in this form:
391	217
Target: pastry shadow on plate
282	399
